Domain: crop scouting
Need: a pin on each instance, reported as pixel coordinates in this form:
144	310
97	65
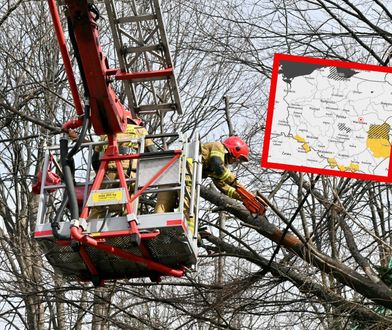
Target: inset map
329	117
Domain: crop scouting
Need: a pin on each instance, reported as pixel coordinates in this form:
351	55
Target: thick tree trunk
377	292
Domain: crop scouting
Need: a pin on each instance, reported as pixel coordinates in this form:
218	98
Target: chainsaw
253	203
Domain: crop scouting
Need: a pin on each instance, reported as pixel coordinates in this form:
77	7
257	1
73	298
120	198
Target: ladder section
144	58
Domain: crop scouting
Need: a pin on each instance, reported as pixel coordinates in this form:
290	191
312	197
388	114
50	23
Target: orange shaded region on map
378	140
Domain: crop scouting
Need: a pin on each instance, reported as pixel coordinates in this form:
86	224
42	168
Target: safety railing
177	171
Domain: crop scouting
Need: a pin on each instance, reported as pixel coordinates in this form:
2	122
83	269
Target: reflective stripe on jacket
132	132
215	167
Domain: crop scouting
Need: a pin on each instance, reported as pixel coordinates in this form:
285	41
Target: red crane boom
128	245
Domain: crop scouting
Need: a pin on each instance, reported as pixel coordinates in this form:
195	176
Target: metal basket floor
169	248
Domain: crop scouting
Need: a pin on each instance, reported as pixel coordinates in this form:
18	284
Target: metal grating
66	261
111	266
148	167
170	248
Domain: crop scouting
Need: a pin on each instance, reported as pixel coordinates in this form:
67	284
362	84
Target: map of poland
329	117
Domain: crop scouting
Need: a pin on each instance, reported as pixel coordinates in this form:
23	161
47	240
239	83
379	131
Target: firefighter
216	156
135	130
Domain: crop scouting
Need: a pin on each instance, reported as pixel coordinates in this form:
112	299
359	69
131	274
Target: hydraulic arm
130	240
143	55
108	115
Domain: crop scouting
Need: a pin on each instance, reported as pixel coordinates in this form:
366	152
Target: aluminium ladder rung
132	19
129	50
152	109
142	50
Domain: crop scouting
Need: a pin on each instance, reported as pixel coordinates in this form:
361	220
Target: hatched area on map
333	118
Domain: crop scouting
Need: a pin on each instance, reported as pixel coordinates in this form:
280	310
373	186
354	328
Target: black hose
93	8
59	214
77	55
66	157
68	179
68	167
86	118
85	126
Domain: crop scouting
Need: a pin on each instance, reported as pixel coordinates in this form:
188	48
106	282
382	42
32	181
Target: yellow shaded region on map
332	162
378	140
342	167
379	147
353	167
299	139
306	147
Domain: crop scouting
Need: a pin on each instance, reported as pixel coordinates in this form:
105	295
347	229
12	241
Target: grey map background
328	117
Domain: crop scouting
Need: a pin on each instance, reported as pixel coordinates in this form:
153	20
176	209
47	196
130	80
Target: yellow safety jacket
215	167
132	132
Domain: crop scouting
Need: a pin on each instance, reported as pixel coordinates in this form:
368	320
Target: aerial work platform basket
128	239
122	244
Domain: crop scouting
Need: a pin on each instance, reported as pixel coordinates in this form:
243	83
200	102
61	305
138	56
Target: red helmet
237	147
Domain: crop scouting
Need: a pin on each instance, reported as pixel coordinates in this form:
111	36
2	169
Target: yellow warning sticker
107	196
